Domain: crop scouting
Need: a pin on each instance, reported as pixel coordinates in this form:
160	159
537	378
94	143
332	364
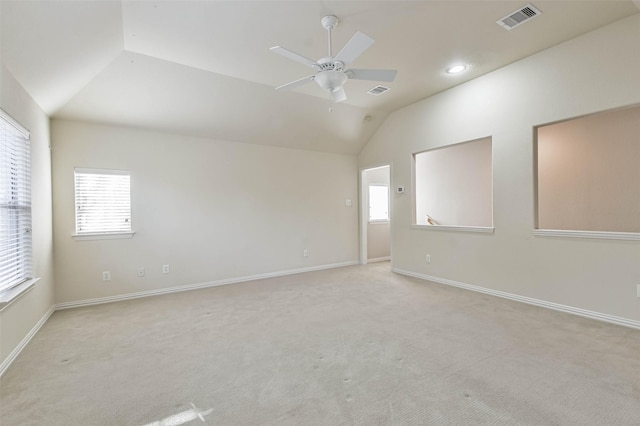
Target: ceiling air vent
519	17
378	90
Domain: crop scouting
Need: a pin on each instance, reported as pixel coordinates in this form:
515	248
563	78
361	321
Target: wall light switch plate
347	203
141	272
106	276
165	269
638	290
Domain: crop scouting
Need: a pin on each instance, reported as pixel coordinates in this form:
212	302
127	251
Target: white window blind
15	203
103	201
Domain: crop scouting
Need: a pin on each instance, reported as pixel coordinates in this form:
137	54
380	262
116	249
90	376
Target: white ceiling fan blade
338	95
354	48
296	83
294	56
374	75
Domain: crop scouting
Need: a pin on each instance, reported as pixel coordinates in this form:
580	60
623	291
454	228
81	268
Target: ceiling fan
331	72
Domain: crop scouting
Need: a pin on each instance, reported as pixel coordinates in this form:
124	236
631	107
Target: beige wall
454	184
20	317
212	210
589	171
378	240
597	71
378	233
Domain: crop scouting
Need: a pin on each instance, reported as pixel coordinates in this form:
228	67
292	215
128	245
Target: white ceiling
203	68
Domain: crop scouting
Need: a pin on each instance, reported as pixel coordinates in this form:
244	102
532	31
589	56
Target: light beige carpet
350	346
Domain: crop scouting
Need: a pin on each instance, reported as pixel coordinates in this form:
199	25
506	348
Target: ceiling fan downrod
329	22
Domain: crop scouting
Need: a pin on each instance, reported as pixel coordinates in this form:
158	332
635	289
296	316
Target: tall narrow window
15	203
103	201
378	203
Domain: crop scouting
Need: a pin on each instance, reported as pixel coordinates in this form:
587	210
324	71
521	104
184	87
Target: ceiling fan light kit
331	73
331	80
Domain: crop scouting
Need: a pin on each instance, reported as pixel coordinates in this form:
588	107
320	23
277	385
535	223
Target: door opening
375	214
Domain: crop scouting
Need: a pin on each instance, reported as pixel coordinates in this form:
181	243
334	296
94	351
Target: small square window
103	201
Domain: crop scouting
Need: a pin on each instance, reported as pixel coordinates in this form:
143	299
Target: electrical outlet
305	253
106	276
428	258
141	272
165	269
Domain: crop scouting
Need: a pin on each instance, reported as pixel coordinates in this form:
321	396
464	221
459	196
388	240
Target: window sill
7	297
103	236
476	229
378	222
586	234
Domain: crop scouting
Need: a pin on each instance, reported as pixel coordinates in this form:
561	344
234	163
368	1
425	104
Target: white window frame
102	200
16	276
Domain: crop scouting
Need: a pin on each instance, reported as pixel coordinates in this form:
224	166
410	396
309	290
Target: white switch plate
638	290
428	258
141	272
347	203
305	253
165	269
106	276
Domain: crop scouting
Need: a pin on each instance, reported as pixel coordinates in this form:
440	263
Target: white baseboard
529	300
523	299
129	296
14	354
379	259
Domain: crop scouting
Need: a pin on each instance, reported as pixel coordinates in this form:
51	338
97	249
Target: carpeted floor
350	346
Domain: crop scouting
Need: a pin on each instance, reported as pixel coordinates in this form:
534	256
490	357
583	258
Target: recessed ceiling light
456	69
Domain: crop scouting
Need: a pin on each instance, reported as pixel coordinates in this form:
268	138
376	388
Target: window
15	203
453	186
103	201
587	175
378	203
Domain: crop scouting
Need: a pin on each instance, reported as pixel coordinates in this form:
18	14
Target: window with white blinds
103	201
15	203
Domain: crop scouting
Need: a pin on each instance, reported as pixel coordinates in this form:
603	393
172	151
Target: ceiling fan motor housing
326	64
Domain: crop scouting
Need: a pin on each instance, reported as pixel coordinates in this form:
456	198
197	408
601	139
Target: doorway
375	214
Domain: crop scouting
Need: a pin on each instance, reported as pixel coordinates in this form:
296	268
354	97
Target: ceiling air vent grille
518	17
378	90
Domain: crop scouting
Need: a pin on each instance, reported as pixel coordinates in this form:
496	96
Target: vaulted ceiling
204	68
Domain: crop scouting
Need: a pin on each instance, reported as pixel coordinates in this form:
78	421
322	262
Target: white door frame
364	209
